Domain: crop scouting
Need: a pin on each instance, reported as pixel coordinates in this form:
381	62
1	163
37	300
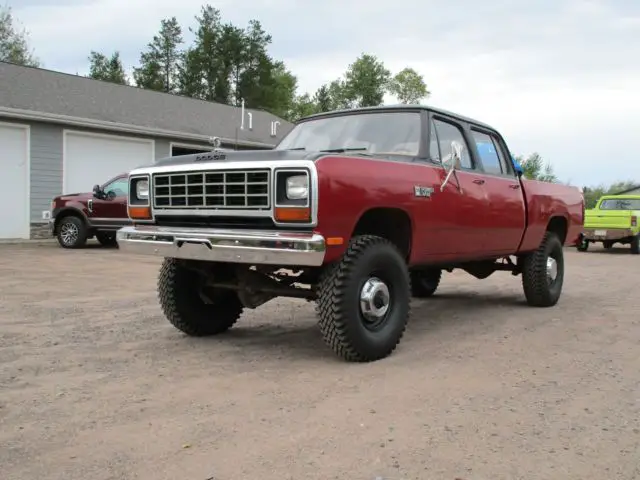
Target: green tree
535	168
366	81
14	45
280	91
205	55
159	65
408	85
190	79
105	68
303	106
322	99
231	50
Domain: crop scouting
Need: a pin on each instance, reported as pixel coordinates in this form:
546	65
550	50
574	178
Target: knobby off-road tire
178	292
72	232
539	290
343	325
425	283
582	246
107	239
635	245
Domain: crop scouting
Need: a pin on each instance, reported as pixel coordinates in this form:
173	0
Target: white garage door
14	193
91	159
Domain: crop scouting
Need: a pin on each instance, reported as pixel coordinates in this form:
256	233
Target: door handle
478	181
515	186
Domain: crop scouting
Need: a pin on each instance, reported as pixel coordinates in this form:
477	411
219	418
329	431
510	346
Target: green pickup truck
613	220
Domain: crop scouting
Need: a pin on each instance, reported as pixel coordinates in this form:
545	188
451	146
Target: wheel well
70	212
393	224
558	225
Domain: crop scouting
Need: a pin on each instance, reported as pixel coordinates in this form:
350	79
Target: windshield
620	204
396	133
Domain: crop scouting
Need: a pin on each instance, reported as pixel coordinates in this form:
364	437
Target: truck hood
237	156
74	197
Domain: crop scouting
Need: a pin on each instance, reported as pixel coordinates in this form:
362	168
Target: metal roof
401	106
28	92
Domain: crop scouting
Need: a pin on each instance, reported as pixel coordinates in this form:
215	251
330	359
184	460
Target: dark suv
77	217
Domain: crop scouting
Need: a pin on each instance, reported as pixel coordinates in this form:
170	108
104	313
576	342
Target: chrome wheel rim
552	269
69	233
375	300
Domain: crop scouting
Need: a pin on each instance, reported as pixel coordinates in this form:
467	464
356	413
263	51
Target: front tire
543	272
425	283
181	302
72	232
364	300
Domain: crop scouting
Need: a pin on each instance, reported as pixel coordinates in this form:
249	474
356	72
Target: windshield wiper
341	150
297	148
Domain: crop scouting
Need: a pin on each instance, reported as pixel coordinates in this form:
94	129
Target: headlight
142	189
297	187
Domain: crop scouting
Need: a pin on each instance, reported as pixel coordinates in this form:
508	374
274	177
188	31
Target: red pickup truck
357	210
77	217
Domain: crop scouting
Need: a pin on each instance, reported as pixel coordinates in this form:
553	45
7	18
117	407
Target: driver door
463	198
110	212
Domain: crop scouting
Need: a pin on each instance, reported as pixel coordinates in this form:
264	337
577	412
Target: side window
448	133
119	186
434	151
488	152
507	166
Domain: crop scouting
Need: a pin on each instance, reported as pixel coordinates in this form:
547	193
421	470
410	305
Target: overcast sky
560	77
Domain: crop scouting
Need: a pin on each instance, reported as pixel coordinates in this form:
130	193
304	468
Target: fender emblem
419	191
210	156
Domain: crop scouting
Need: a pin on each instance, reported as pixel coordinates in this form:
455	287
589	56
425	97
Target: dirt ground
96	384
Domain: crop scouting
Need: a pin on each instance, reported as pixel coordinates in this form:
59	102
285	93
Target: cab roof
397	107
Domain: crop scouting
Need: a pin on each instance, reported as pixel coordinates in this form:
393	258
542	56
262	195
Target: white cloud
556	76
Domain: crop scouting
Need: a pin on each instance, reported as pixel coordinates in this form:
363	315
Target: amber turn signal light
292	214
139	213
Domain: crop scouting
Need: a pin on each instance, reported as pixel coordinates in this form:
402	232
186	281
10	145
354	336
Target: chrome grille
213	189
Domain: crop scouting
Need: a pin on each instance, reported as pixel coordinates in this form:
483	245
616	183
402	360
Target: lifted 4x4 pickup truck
357	210
613	220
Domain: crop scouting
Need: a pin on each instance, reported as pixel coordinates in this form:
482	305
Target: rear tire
107	239
583	245
424	283
364	300
72	232
543	272
185	308
635	245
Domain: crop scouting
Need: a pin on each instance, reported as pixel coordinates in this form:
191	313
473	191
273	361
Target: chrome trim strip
221	245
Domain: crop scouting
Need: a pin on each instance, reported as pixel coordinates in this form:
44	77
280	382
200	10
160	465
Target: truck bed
543	200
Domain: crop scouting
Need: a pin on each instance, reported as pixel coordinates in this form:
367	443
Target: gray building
62	133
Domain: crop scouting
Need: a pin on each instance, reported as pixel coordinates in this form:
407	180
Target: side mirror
96	191
518	168
451	162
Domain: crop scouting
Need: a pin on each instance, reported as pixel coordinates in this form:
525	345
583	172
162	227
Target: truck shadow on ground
611	251
439	315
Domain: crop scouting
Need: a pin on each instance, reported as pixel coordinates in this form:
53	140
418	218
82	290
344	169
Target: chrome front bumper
218	245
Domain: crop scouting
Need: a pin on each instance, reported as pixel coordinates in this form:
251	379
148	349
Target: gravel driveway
95	383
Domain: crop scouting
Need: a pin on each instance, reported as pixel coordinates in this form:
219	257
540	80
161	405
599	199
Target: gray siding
162	148
46	162
46	167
